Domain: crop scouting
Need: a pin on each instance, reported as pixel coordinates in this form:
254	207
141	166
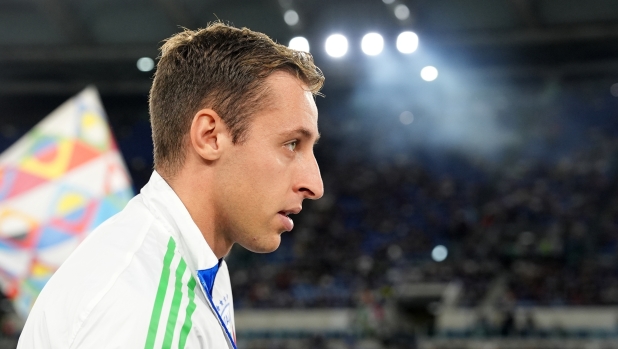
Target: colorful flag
57	183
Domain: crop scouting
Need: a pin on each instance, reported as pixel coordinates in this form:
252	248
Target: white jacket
142	279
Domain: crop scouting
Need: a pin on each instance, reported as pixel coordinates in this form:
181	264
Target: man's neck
194	194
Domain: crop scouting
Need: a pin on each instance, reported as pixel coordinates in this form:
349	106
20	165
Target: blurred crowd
548	224
543	215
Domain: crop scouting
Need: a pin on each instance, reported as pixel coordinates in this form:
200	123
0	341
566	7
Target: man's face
268	176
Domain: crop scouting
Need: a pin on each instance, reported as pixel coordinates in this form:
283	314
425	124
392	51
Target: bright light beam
439	253
429	73
291	17
336	45
145	64
402	12
407	42
299	43
406	118
372	44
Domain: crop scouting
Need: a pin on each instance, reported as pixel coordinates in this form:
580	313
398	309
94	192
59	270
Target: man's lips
287	222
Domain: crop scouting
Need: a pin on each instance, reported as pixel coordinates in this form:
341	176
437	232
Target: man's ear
208	134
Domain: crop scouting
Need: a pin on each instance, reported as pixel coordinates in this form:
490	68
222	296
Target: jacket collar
163	202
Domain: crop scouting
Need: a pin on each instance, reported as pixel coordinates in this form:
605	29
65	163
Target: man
233	123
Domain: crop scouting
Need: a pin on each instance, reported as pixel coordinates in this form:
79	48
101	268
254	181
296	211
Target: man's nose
310	180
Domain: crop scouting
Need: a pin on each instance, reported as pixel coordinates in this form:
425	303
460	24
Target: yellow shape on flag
94	130
70	202
50	169
40	270
90	119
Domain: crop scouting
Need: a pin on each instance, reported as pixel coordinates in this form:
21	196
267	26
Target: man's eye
292	145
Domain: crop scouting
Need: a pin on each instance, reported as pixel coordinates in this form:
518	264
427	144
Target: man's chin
263	246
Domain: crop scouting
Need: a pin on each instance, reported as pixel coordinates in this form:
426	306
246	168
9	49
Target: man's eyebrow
306	133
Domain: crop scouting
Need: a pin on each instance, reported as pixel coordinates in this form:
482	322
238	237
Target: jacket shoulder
111	278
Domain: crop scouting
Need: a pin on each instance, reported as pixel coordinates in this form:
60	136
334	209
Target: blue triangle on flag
51	236
105	210
6	182
5	245
76	215
110	205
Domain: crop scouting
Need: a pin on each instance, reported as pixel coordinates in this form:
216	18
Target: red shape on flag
25	241
24	181
82	153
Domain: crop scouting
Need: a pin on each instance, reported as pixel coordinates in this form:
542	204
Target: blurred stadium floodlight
439	253
402	12
406	118
614	90
336	45
429	73
145	64
372	44
388	2
291	17
299	43
407	42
